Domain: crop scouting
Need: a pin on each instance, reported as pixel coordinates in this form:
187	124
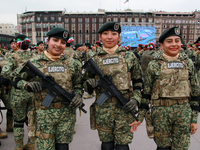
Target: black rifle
55	88
110	89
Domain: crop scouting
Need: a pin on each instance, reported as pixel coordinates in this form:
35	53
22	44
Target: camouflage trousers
172	126
113	124
21	102
54	126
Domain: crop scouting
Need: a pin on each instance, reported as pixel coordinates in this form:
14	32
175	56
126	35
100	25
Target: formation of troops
42	88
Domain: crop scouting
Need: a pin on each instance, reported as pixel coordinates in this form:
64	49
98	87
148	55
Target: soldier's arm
147	88
8	67
77	79
194	91
136	75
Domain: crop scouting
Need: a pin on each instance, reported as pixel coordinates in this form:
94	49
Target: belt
169	102
57	105
44	136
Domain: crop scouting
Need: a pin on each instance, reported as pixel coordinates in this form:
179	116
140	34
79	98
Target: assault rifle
110	89
48	81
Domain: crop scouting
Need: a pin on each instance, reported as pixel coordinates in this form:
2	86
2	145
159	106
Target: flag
126	1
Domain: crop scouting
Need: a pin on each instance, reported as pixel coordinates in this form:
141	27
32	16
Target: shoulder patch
5	68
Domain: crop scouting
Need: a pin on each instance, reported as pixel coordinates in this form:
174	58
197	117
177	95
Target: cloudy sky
10	8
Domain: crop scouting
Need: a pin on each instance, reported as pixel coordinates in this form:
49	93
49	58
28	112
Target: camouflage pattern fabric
8	54
20	99
108	117
173	121
57	122
197	63
175	118
190	53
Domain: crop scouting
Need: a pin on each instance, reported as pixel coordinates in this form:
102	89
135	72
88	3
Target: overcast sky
10	8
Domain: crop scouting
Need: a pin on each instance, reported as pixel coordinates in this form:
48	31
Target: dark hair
24	45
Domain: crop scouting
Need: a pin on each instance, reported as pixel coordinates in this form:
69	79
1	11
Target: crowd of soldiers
43	87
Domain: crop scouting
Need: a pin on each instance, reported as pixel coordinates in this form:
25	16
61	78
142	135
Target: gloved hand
130	105
76	101
34	87
93	82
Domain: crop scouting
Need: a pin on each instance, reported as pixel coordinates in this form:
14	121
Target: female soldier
55	124
122	66
20	99
172	87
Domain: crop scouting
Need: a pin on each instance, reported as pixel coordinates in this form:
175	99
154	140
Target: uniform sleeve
147	88
77	80
136	75
194	91
8	67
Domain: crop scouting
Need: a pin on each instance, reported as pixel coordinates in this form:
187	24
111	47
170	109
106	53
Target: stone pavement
87	139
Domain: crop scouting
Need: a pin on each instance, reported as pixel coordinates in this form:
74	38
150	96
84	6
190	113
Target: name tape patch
58	68
175	65
109	61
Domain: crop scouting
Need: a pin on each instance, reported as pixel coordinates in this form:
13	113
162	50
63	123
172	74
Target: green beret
174	31
12	40
110	26
88	44
39	42
58	32
78	45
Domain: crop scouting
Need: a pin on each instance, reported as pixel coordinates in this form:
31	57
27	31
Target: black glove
76	101
34	87
131	105
4	81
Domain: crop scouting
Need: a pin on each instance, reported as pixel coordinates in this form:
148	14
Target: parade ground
87	139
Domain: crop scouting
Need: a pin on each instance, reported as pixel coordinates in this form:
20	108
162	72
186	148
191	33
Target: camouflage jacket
71	77
153	72
132	66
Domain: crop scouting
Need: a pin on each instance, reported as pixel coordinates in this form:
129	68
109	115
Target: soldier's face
56	46
171	45
41	47
109	38
14	46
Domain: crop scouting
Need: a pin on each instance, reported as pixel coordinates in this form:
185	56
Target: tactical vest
146	58
115	66
62	75
172	81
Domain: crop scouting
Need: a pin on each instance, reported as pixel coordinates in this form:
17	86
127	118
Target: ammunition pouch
92	117
31	123
149	126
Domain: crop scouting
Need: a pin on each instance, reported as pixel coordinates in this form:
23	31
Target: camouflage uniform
56	123
197	64
71	53
171	91
20	99
191	53
112	122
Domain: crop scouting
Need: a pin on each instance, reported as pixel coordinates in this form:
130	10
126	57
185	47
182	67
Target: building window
45	25
29	26
59	19
108	20
122	19
164	26
27	20
172	21
101	20
87	31
45	18
80	20
150	20
38	18
93	30
191	26
136	20
129	20
59	25
79	31
66	20
44	33
73	31
38	33
52	26
143	20
38	26
87	20
115	20
94	20
73	20
52	18
66	26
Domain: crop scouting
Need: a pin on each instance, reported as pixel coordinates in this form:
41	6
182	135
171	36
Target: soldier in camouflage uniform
40	48
111	121
197	60
55	124
20	99
172	89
